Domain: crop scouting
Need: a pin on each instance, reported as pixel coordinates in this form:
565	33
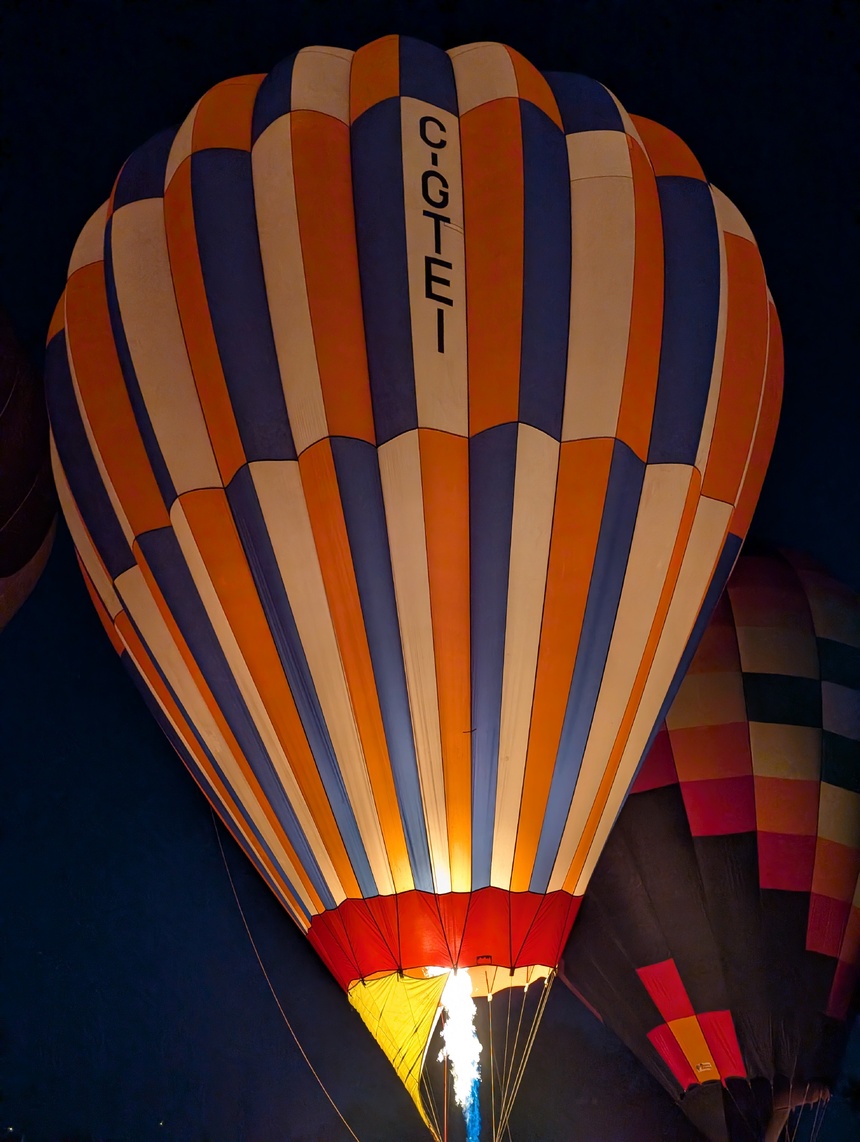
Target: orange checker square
786	805
374	75
224	114
836	870
703	752
669	154
532	86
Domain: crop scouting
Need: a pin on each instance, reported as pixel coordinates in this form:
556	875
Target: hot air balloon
28	504
720	934
409	409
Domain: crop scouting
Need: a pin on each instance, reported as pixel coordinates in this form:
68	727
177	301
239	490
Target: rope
302	1052
527	1049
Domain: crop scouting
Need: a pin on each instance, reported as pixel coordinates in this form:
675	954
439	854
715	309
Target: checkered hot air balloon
720	933
409	409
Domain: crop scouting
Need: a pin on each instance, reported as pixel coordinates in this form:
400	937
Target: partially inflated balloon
720	934
409	410
28	504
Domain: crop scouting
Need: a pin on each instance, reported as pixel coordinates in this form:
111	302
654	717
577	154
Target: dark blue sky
128	992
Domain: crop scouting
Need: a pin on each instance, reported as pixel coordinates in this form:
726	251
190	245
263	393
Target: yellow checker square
708	700
785	751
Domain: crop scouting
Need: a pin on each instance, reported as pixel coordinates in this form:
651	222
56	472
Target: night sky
129	994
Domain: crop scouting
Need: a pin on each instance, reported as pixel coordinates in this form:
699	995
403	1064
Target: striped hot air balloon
28	503
409	409
720	934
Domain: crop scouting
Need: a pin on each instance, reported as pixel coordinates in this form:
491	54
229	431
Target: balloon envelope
409	410
28	505
720	934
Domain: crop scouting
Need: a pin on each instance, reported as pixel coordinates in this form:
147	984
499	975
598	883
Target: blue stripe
492	471
607	580
357	468
245	506
690	312
132	385
192	764
546	271
143	173
274	97
426	73
78	462
380	227
585	104
229	247
164	556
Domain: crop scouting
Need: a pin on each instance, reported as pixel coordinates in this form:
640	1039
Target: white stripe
72	333
282	502
90	246
252	698
482	72
441	378
180	148
150	319
534	501
320	82
400	470
707	537
603	248
143	611
710	416
286	288
661	508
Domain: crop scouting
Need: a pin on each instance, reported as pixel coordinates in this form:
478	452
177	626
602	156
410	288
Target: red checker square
667	1046
663	983
718	808
718	1027
828	919
658	768
785	862
842	990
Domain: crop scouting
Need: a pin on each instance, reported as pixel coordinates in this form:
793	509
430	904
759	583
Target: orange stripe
197	324
743	370
786	805
224	114
765	432
319	481
836	870
58	319
105	399
323	175
532	86
609	774
646	312
375	75
214	531
668	153
583	474
221	722
144	664
101	610
445	482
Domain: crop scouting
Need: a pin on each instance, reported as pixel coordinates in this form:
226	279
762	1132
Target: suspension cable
302	1051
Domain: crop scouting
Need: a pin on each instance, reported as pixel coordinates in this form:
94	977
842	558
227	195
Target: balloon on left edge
28	506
